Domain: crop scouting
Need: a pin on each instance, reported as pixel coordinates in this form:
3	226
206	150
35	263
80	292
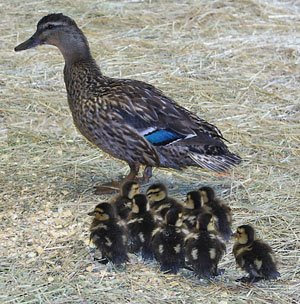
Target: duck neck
74	47
81	72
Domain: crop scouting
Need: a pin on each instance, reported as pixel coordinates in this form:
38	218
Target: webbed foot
248	280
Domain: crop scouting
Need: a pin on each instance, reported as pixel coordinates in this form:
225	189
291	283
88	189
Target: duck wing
159	121
147	109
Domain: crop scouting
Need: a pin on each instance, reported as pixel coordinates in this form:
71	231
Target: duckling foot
219	272
248	280
102	260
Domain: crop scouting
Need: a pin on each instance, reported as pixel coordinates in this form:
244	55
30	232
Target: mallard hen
129	119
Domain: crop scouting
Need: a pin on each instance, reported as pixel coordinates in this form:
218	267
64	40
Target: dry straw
235	63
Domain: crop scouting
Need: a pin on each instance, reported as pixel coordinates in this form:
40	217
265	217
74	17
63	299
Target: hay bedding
233	62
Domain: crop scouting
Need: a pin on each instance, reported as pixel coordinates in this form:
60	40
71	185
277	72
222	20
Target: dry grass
233	62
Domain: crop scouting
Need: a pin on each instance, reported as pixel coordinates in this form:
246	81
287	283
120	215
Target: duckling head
193	200
207	194
245	235
174	217
103	212
157	192
139	203
130	189
61	31
206	222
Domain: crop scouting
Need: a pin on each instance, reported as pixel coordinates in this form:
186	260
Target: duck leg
115	186
147	174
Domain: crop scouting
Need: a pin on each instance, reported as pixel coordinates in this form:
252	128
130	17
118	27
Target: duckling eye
50	26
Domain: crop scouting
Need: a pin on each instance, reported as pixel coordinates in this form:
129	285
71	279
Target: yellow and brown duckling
254	256
168	243
140	227
203	248
129	119
220	210
192	208
160	202
108	234
123	202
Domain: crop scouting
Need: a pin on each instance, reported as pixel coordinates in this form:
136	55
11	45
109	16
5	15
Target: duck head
60	31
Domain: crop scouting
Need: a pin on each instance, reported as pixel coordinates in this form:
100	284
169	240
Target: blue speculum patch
162	137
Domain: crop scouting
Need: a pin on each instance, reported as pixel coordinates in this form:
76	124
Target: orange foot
222	174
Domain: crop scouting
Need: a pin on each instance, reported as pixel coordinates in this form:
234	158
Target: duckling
254	256
220	210
140	226
123	201
192	208
129	119
160	202
108	234
168	243
203	249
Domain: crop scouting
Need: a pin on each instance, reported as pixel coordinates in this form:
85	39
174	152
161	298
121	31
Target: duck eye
50	26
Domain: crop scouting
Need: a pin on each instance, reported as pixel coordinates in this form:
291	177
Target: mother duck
129	119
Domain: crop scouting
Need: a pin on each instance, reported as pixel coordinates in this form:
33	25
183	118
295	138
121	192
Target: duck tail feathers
217	163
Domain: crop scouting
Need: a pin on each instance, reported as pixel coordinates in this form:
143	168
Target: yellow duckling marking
177	248
135	189
194	254
241	236
141	236
155	231
108	242
258	263
212	253
135	208
242	250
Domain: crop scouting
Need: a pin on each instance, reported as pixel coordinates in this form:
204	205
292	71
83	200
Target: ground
234	63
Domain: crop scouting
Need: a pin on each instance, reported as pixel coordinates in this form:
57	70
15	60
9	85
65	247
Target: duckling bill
129	119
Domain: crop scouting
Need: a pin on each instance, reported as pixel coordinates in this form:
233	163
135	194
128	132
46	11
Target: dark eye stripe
151	193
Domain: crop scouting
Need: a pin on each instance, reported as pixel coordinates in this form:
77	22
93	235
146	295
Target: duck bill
92	213
28	44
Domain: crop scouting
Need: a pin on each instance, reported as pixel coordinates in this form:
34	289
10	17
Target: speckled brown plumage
129	119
